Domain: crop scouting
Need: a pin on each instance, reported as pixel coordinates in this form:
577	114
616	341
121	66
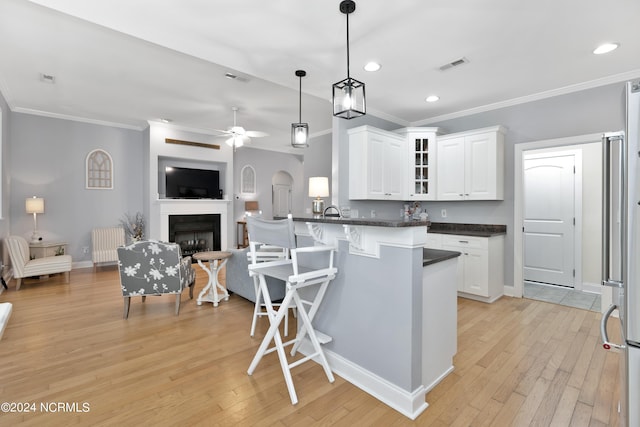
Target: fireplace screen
195	233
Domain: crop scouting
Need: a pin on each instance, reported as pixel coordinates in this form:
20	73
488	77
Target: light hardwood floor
520	362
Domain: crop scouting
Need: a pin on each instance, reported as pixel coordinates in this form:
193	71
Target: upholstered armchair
150	267
22	266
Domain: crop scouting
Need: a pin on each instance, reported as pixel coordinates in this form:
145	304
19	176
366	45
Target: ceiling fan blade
255	134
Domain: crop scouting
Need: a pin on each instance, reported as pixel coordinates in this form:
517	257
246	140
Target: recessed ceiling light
605	48
372	66
432	98
163	120
230	76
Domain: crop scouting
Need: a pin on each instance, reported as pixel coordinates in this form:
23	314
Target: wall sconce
318	187
348	94
300	131
34	205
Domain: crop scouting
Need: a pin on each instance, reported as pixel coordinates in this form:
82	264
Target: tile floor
563	296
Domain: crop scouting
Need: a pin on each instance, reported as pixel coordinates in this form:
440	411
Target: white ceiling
128	62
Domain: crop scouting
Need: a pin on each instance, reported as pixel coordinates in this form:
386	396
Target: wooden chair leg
144	298
191	286
177	304
18	283
127	303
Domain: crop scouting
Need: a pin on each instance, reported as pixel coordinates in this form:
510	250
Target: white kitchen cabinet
421	162
470	165
480	273
377	164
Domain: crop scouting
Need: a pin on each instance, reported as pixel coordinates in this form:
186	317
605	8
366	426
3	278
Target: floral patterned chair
150	267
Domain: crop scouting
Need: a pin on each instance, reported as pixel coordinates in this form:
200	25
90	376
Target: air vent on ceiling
232	76
47	78
455	63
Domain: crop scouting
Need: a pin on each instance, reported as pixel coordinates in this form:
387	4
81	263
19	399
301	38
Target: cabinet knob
460	194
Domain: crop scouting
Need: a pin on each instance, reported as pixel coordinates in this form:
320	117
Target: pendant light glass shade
349	99
300	131
299	135
348	94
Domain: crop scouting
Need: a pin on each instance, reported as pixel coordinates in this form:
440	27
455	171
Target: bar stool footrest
323	338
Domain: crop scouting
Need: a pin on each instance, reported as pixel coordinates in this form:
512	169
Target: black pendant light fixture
348	94
300	131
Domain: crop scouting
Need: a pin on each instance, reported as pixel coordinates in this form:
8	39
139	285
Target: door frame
518	214
577	201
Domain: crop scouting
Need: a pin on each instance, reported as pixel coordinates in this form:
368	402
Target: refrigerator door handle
603	329
607	146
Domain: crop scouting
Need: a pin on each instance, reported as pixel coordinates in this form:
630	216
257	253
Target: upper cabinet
377	164
471	165
421	163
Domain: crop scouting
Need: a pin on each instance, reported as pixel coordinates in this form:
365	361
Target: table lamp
34	205
318	187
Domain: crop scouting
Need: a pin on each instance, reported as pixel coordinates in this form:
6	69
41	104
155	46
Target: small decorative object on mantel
133	226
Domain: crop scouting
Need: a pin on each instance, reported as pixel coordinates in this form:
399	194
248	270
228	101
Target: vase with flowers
133	226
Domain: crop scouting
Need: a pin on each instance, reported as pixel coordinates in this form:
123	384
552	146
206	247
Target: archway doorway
281	193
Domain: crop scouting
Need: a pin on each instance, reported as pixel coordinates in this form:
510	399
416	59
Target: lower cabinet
480	273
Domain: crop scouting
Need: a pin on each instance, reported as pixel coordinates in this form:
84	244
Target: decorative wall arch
99	170
248	180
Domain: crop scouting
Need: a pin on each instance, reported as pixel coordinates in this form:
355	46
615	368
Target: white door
549	221
281	200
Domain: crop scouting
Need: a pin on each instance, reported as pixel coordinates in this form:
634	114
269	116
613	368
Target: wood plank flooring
520	363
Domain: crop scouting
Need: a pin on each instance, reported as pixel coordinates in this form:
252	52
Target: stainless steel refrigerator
620	252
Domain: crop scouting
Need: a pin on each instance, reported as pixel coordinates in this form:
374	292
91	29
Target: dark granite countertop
374	222
433	256
478	230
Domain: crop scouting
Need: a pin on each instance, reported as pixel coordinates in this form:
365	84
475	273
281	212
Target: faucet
332	207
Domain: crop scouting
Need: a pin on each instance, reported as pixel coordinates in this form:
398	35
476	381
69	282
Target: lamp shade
318	186
34	205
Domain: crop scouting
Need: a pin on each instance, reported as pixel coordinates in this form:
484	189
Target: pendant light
348	94
300	131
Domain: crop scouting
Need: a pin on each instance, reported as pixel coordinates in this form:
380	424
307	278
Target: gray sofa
239	282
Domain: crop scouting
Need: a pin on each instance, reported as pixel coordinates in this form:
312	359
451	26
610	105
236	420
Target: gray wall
48	158
267	164
317	162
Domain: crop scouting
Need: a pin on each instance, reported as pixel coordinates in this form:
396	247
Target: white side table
217	260
44	249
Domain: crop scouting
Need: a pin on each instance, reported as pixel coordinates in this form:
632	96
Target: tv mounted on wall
186	183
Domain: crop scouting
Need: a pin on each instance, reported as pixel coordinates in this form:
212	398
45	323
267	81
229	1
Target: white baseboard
81	264
409	404
594	288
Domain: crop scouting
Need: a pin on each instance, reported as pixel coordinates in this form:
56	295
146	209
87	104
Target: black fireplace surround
195	233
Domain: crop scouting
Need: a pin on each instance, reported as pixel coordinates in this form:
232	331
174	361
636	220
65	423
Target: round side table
217	260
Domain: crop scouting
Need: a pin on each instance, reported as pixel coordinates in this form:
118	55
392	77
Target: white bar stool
280	233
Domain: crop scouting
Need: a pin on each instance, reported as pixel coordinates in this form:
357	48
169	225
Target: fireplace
195	233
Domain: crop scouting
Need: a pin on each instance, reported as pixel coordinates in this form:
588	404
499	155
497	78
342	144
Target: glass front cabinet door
421	143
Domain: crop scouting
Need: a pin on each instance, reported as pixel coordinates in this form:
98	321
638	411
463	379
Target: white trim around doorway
519	152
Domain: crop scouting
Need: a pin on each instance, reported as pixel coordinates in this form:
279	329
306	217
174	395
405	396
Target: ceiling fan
236	135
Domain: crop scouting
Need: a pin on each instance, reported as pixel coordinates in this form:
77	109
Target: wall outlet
85	250
443	213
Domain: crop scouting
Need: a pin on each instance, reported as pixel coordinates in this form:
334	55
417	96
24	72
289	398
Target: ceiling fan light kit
348	94
300	131
237	135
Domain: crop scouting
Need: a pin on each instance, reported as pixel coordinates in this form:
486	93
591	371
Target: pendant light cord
348	74
300	102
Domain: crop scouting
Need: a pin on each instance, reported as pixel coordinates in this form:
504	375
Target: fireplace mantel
194	207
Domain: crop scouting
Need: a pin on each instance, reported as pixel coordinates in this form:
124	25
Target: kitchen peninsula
391	310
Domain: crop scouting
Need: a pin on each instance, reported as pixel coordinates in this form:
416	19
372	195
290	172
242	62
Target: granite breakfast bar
390	311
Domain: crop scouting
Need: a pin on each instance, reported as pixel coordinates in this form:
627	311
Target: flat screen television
187	183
